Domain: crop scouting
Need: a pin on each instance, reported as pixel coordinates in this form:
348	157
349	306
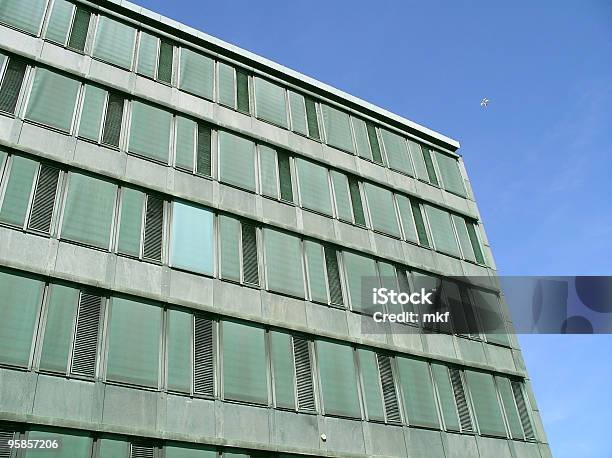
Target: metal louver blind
249	254
112	121
388	388
471	228
374	145
141	450
333	276
11	84
44	199
303	374
311	118
203	372
154	229
462	406
203	163
5	436
284	174
522	409
242	93
420	224
86	337
356	201
431	171
80	26
164	68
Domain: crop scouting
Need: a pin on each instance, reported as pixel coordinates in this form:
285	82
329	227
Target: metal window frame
46	21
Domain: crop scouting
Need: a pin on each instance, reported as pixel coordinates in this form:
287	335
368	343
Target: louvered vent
249	254
203	355
522	409
86	337
154	229
311	118
460	399
11	84
388	387
141	450
303	374
242	84
78	36
284	173
112	121
203	165
164	70
356	201
5	436
333	276
44	199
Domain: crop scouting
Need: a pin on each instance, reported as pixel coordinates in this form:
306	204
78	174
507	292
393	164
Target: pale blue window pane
150	131
405	210
71	445
419	401
314	186
23	14
315	262
284	370
58	329
451	176
52	99
371	384
227	85
147	54
343	198
337	128
18	190
180	330
382	210
485	402
189	451
298	113
358	269
112	448
237	160
229	231
20	298
270	100
89	210
464	238
442	230
397	151
192	238
130	223
185	142
197	73
244	363
133	342
114	42
283	263
338	379
361	138
92	112
59	21
268	169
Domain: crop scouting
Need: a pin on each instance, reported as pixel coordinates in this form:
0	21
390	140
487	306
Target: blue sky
539	156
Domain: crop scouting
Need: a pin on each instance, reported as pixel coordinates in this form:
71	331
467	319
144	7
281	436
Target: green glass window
337	128
419	223
442	230
185	142
464	238
52	99
130	224
20	298
59	21
283	263
451	176
343	198
80	29
89	210
485	402
311	118
61	312
397	152
190	451
147	54
242	92
315	263
491	316
374	143
478	254
25	15
314	186
180	330
150	131
237	160
196	73
112	448
298	113
382	210
405	211
358	269
361	138
229	232
114	42
284	370
338	379
388	279
268	170
419	401
244	363
371	384
270	102
191	244
431	170
447	397
507	397
227	85
71	445
419	162
94	102
133	342
18	190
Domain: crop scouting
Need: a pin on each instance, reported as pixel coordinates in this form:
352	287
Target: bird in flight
484	102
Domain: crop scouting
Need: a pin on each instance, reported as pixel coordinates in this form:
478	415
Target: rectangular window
419	401
134	342
464	238
419	222
314	186
204	359
284	270
382	210
465	419
337	128
78	444
405	211
374	144
11	84
130	223
111	448
114	42
361	138
284	175
523	409
284	369
270	102
297	108
85	348
338	379
166	58
334	284
356	201
315	263
419	162
204	147
397	152
507	398
59	22
485	402
43	202
243	103
153	242
113	120
185	139
342	195
89	210
236	161
250	264
24	15
491	316
359	269
312	118
191	244
150	132
148	49
18	190
442	231
431	170
478	254
52	100
189	451
303	374
268	170
372	390
80	28
180	330
227	85
446	396
92	113
196	74
229	232
451	176
244	363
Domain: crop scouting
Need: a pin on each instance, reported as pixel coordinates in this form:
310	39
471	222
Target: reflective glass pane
446	395
337	128
397	151
362	139
90	124
189	451
59	21
359	268
486	404
268	169
196	73
315	263
270	102
227	85
405	210
18	190
464	238
229	232
314	186
338	379
382	210
130	224
284	370
419	401
147	55
180	330
283	263
237	160
371	384
23	14
191	243
185	142
150	131
442	230
112	448
114	42
343	198
71	445
298	113
451	176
